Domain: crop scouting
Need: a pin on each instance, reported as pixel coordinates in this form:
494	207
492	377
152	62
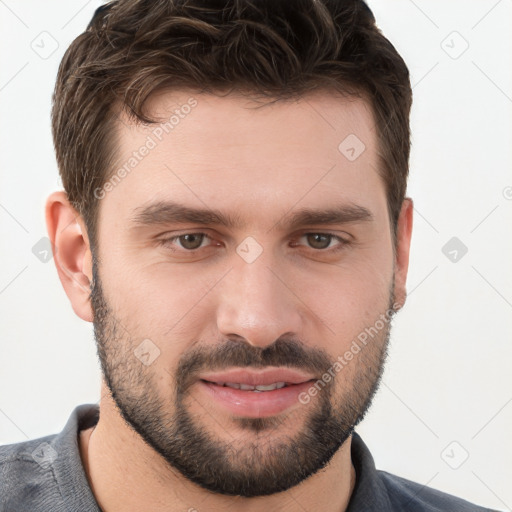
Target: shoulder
32	457
47	473
27	478
379	491
407	495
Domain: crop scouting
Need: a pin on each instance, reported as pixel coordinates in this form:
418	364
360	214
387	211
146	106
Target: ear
72	254
403	244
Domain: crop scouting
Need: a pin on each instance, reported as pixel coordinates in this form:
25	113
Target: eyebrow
168	212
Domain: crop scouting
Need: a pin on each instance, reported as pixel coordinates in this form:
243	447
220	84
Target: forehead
232	151
235	121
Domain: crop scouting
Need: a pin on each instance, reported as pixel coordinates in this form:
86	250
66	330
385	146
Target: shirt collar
370	493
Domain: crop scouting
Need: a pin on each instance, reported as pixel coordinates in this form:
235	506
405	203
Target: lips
255	394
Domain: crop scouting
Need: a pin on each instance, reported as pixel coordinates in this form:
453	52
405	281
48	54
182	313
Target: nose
258	304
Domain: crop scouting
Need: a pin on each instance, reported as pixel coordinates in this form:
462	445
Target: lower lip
251	404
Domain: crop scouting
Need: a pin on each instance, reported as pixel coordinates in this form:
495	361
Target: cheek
160	301
350	299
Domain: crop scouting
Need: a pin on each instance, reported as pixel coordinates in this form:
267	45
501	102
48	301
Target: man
234	223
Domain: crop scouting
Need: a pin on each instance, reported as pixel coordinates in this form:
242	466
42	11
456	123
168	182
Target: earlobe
72	254
403	245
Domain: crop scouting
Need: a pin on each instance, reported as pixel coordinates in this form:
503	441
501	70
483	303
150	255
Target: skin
260	164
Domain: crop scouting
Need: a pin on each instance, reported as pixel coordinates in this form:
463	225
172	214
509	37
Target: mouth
255	394
248	387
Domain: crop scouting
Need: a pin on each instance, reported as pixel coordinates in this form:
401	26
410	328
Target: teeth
270	387
248	387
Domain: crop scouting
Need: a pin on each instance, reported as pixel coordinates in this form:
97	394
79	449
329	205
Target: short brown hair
276	48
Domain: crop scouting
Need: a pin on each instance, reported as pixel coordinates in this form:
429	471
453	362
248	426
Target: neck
125	474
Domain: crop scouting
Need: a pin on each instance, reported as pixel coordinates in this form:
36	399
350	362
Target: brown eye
191	241
319	240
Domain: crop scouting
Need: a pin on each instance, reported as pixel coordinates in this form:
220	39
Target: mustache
291	353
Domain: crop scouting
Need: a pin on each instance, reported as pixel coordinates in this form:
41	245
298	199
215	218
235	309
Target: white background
448	377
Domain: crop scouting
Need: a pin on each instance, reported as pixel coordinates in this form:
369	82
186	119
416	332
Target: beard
264	460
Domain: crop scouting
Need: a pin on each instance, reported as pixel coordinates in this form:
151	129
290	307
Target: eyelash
167	242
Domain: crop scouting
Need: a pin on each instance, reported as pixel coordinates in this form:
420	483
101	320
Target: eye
323	241
187	241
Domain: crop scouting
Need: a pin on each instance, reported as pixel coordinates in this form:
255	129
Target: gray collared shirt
46	475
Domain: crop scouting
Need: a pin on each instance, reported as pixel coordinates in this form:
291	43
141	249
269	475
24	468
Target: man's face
294	264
